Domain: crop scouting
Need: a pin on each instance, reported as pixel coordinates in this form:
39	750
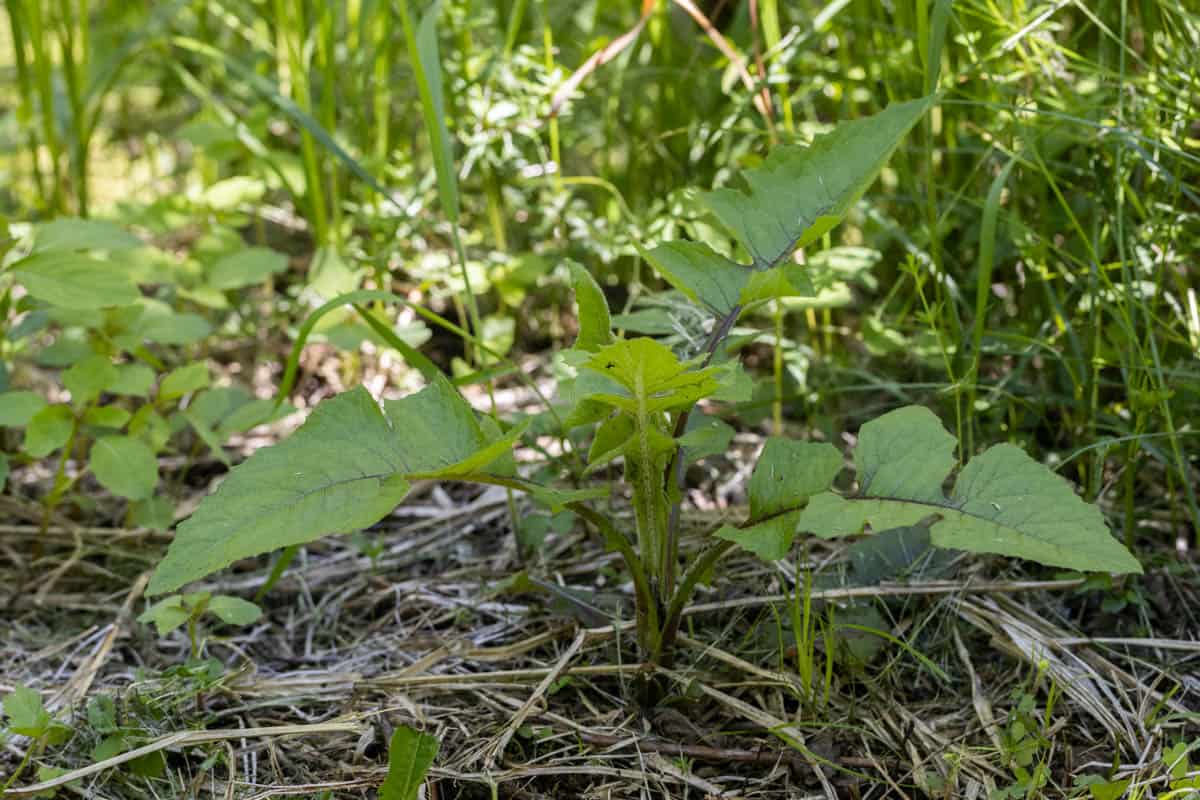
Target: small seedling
188	609
26	715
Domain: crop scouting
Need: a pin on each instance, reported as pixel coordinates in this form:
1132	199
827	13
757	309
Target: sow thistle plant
351	463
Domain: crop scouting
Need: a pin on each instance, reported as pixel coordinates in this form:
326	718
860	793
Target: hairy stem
676	467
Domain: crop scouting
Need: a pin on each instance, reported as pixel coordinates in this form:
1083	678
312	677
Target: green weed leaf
701	273
132	380
346	467
48	430
706	436
27	715
796	196
86	379
654	377
234	610
410	755
1003	501
75	280
595	324
19	407
169	613
74	234
338	473
249	267
787	474
124	465
113	417
800	193
183	380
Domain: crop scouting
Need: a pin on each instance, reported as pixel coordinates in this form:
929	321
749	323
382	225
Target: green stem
676	468
687	587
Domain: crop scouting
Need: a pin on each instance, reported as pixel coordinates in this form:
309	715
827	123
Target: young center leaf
1003	501
654	377
796	196
346	467
787	474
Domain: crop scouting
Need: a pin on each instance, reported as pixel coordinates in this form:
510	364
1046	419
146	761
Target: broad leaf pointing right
1003	501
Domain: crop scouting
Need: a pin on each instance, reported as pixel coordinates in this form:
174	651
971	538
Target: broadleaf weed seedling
352	462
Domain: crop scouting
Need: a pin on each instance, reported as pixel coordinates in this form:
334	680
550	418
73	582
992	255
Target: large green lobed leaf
796	196
799	193
787	474
1003	501
346	467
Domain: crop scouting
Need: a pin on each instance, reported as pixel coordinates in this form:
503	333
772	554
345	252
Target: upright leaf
48	430
1003	501
427	67
86	379
796	196
595	324
26	713
799	193
410	755
654	377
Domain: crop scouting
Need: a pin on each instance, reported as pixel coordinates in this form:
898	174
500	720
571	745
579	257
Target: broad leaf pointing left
346	467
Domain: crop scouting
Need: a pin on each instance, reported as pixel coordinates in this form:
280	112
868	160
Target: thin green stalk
702	566
773	35
71	39
777	370
293	81
327	55
516	16
548	62
983	286
382	94
43	71
26	89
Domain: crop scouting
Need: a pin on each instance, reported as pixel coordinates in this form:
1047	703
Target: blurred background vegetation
1027	265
